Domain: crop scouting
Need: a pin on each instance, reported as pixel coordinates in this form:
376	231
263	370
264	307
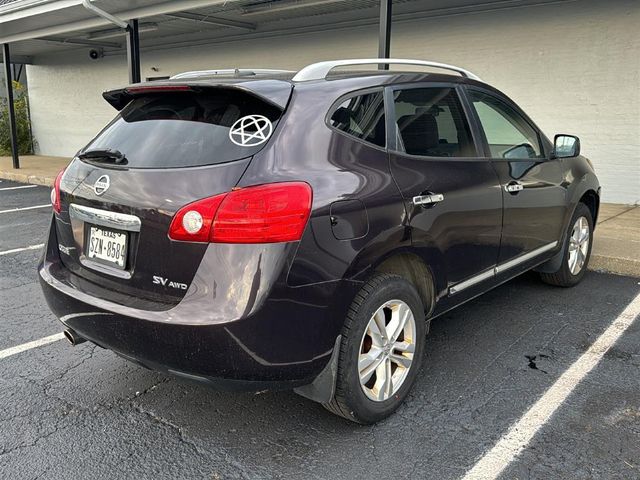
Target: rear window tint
363	117
189	129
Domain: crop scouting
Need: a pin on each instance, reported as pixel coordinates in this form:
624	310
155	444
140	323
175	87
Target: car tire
384	298
577	250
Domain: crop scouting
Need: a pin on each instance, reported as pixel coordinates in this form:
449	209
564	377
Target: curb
30	179
617	266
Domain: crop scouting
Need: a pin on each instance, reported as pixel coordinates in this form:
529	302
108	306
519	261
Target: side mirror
566	146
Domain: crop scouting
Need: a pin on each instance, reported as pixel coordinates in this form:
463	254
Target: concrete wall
573	67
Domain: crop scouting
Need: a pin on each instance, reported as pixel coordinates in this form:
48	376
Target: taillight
55	192
275	212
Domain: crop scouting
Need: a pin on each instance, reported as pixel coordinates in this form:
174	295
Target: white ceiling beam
76	41
96	22
20	10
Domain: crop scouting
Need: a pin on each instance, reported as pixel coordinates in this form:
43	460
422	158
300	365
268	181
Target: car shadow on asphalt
485	364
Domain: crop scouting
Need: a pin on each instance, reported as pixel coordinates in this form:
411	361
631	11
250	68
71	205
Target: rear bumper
273	337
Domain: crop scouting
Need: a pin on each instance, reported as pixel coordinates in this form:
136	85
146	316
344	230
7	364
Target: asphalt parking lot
82	412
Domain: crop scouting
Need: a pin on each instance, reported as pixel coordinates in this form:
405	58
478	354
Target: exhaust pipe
73	337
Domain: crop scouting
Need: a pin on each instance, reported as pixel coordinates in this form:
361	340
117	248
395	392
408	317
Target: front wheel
577	250
381	350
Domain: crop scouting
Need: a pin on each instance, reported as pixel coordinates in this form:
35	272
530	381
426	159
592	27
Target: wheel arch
411	267
591	199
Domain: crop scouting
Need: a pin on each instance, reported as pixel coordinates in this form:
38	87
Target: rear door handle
513	187
428	199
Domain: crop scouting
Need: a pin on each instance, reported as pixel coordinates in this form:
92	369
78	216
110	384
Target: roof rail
319	71
229	71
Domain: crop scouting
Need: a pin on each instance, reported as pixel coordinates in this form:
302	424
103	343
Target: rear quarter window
362	116
188	129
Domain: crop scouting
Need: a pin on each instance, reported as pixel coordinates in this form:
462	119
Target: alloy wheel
386	350
578	245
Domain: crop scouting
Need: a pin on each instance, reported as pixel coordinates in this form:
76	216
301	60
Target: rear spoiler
275	92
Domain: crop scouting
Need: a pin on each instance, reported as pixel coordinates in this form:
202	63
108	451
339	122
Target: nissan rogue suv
261	229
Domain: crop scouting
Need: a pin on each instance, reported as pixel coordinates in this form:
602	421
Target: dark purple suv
260	229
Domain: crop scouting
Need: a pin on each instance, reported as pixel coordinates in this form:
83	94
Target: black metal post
384	39
11	106
133	51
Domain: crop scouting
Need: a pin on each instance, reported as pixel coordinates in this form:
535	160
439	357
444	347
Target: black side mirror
566	146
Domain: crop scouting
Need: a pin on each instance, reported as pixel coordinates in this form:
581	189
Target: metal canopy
37	28
43	28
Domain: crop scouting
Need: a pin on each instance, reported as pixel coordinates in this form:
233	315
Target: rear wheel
381	350
577	250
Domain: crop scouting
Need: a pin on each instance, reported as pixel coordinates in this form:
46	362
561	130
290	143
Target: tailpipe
73	337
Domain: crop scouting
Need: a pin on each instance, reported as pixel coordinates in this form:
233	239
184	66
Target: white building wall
573	67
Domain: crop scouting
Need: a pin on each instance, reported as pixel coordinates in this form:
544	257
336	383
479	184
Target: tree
21	105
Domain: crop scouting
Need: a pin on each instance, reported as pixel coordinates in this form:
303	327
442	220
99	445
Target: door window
508	134
430	122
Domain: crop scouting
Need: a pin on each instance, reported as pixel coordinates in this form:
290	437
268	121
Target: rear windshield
188	129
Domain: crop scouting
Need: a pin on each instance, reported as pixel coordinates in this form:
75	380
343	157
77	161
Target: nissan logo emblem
102	184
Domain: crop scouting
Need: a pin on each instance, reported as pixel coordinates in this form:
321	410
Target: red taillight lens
182	229
276	212
55	192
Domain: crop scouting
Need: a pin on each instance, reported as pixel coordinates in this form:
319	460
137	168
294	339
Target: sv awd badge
165	282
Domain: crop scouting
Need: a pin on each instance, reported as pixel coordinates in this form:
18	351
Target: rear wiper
108	154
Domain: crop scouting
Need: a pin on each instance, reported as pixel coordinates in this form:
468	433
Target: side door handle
426	200
513	187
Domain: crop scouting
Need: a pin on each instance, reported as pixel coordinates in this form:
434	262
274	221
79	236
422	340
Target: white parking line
28	346
25	208
16	250
17	188
493	463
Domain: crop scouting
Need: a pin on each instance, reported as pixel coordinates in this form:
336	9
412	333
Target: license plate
107	246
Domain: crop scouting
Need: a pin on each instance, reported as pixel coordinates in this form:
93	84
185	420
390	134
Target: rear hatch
167	148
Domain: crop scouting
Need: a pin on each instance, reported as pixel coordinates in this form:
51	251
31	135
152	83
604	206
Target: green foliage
20	102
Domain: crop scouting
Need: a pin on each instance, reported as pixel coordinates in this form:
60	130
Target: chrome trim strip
500	268
99	267
105	218
472	281
523	258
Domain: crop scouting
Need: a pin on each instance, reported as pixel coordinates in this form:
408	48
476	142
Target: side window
430	122
362	117
508	134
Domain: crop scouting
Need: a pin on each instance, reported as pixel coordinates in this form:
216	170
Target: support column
12	114
133	51
384	38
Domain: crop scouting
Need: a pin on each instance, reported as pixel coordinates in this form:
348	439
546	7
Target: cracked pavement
83	412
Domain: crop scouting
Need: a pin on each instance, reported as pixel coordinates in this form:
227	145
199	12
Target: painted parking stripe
25	208
23	249
28	346
493	463
17	188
